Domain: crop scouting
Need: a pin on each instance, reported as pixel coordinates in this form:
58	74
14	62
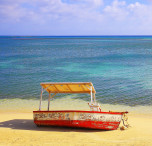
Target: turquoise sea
120	67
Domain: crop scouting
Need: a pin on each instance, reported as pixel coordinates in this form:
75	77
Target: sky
75	17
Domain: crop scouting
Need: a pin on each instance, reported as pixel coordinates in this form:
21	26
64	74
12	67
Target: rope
125	120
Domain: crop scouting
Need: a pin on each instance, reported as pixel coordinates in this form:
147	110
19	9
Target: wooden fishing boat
94	119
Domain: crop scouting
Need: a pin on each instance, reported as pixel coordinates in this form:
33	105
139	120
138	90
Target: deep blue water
120	67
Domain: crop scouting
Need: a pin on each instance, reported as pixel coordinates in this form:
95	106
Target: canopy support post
50	97
41	99
49	101
91	95
94	96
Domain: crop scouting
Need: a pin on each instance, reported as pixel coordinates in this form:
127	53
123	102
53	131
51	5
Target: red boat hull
78	119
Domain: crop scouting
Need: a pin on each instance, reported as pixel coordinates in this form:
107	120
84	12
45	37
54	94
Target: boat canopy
68	87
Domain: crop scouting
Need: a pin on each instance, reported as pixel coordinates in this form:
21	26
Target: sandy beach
17	128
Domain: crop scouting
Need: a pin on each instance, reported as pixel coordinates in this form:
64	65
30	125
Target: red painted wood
79	124
107	125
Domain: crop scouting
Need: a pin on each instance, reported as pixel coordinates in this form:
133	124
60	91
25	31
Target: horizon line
71	35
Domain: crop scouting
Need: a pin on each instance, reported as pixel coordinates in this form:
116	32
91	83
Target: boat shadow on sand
27	124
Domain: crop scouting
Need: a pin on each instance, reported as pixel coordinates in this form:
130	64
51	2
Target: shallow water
66	103
120	67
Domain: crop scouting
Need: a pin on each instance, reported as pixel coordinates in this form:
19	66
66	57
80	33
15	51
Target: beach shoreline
18	128
66	103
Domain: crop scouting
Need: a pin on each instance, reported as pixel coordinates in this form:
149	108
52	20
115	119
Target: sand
17	128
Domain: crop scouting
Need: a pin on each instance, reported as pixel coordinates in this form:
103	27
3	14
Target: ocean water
120	67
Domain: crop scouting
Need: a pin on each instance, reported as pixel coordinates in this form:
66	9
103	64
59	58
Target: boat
93	119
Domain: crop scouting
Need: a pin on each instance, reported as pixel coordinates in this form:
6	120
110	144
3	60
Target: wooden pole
91	95
41	99
49	101
94	97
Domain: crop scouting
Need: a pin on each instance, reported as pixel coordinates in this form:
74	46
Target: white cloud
134	18
10	12
85	16
117	10
141	16
96	3
48	9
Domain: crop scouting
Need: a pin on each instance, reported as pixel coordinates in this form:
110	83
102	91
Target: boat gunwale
100	112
